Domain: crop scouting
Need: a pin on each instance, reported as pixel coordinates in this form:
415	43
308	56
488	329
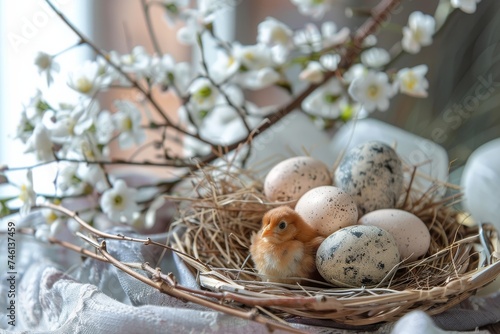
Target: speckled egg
357	256
327	209
372	173
292	178
411	234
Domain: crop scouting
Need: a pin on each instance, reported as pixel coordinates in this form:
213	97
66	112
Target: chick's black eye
282	225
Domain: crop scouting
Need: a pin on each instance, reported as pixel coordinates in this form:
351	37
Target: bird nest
227	205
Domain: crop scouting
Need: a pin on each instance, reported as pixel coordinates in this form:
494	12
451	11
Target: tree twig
164	283
149	25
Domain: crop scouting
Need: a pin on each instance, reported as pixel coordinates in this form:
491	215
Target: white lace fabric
58	292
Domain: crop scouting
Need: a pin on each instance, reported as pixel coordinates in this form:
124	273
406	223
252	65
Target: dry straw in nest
227	206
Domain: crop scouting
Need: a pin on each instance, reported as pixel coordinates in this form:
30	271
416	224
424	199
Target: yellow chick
285	248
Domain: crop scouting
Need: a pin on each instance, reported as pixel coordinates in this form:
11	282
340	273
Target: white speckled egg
293	177
411	234
357	256
372	173
327	209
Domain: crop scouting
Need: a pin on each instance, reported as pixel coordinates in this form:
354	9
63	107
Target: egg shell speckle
411	234
373	174
291	178
357	256
327	209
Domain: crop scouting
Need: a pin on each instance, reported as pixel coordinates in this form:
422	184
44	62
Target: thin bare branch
149	25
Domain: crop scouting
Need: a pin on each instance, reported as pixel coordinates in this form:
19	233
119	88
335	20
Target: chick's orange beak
266	232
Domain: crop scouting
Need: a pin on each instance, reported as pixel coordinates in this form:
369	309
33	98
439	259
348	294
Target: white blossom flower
251	66
258	79
330	61
326	101
313	8
255	63
375	57
136	62
192	147
253	57
166	72
87	148
313	72
203	94
467	6
372	90
354	72
87	80
104	127
31	115
234	93
46	231
41	144
94	176
199	19
277	35
54	223
24	128
174	9
187	35
78	179
412	81
418	33
68	180
311	39
107	72
308	39
369	41
273	32
66	124
224	124
27	195
331	35
46	65
215	125
118	203
127	120
225	66
36	108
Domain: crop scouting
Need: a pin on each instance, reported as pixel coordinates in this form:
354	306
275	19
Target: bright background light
27	27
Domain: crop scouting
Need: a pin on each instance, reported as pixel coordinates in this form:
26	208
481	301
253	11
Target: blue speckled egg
372	174
357	256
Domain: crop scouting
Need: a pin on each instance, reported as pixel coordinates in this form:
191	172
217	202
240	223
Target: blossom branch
238	110
134	83
379	15
399	51
174	163
329	55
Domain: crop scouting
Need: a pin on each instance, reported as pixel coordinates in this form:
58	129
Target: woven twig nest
227	207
